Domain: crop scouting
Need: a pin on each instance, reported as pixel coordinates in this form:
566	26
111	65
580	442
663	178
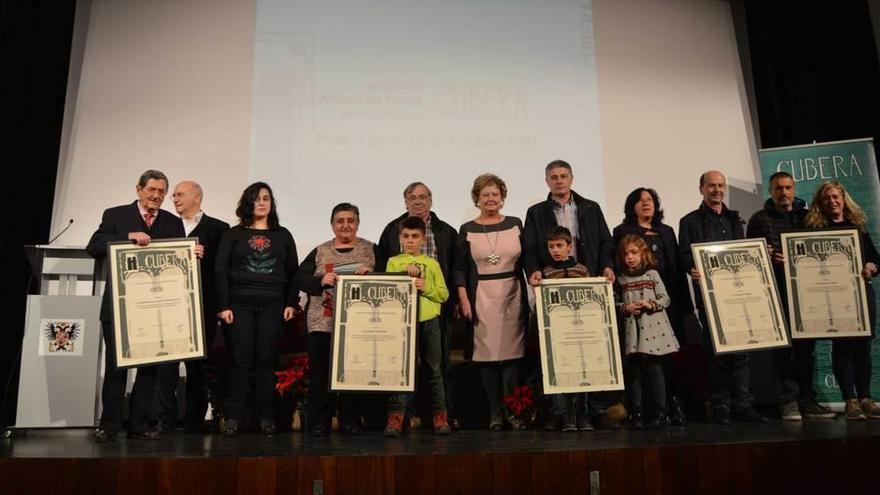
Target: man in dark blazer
593	248
440	245
584	219
138	222
187	198
729	374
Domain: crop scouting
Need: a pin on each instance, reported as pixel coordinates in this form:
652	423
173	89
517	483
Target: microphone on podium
69	223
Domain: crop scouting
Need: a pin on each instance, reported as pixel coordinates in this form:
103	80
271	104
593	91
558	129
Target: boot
660	420
676	414
635	419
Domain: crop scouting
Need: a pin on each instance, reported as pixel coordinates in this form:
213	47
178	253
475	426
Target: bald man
187	198
729	373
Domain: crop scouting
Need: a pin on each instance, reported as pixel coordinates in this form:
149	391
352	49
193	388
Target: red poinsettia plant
521	404
295	378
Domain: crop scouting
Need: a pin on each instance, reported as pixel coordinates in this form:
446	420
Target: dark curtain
35	40
815	70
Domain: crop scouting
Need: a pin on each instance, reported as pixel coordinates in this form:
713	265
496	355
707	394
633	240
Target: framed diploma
374	337
577	328
823	277
157	302
740	296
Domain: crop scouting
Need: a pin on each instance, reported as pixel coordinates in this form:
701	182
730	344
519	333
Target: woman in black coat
643	217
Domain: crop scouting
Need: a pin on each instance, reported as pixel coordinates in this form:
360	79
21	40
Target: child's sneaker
584	423
441	424
853	411
395	425
870	408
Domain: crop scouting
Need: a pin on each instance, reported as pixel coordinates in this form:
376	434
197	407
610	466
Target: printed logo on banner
61	337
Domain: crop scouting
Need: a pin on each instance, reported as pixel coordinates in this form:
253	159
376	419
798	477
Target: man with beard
793	366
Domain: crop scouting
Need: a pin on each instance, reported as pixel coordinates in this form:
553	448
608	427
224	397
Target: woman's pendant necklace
493	258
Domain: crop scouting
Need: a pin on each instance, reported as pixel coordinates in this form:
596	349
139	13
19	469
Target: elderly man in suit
138	222
187	198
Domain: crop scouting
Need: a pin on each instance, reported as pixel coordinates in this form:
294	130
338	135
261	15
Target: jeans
728	374
851	362
565	404
430	351
253	340
793	369
851	358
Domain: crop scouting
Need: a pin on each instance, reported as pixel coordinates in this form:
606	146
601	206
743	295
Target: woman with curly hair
256	262
489	278
833	207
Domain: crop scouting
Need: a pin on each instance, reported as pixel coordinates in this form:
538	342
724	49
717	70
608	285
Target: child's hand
328	279
535	279
413	271
420	284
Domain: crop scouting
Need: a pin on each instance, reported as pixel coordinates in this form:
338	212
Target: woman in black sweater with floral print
256	262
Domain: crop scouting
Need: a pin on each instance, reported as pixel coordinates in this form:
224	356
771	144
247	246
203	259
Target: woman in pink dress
489	280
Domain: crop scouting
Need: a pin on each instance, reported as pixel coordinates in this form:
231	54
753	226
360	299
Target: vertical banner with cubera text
853	164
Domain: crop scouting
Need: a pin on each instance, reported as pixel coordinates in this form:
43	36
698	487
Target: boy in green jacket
432	294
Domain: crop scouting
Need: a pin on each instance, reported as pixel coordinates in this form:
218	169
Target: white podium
60	349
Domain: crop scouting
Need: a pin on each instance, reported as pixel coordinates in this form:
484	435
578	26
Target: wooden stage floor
812	457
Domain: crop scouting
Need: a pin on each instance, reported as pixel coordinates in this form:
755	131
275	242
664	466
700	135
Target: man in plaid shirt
440	245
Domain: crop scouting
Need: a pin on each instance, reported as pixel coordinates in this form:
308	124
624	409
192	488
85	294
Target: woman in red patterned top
256	262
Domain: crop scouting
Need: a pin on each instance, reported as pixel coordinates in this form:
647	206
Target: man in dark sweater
439	244
138	222
793	367
187	197
729	373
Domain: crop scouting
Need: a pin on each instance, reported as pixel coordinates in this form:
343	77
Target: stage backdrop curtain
35	41
815	70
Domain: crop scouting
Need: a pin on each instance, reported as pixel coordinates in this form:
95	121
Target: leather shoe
636	421
352	429
454	424
230	428
554	423
318	431
144	435
103	435
676	413
721	415
750	415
